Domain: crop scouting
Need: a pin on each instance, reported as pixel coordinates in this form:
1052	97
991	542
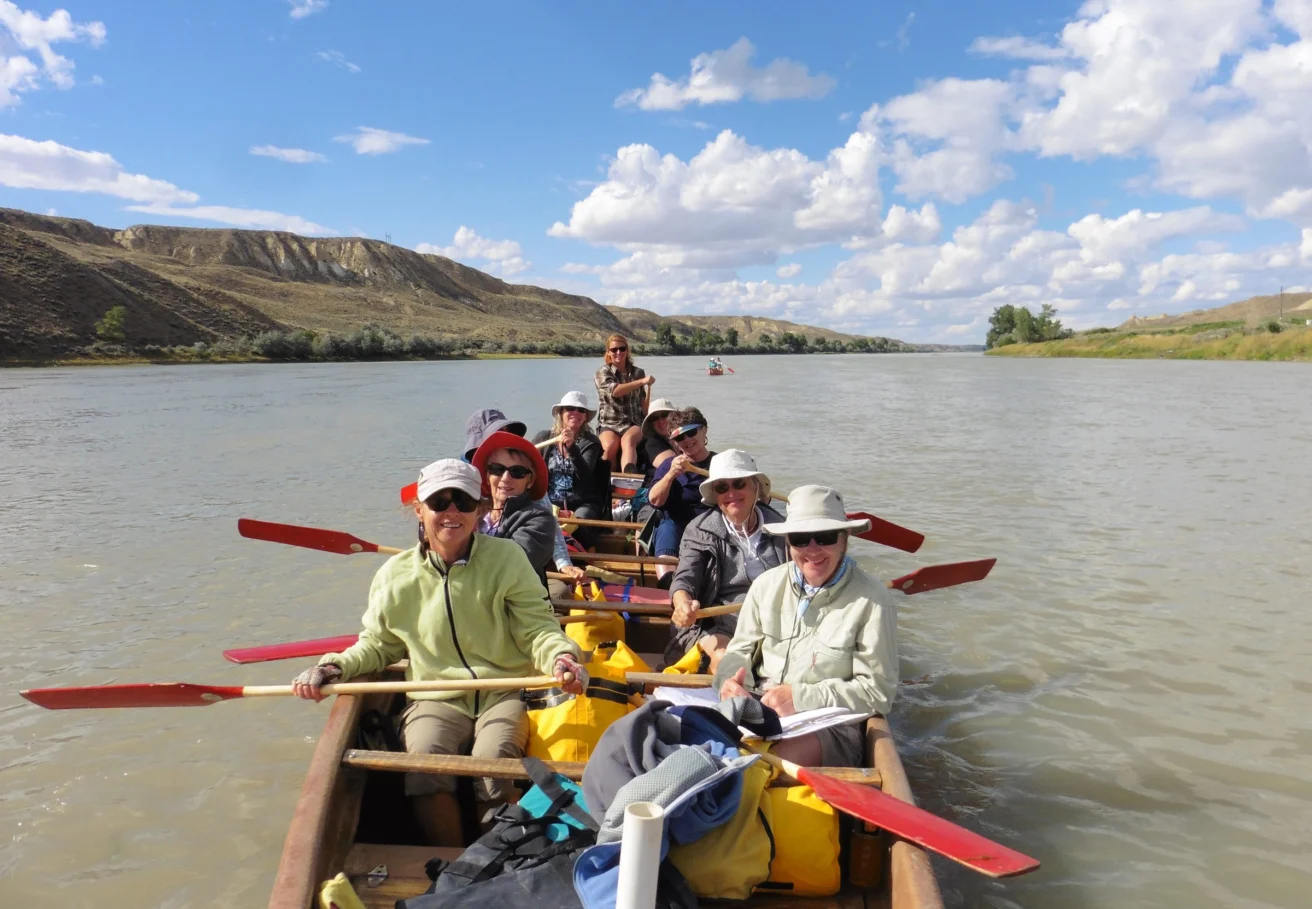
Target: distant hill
179	286
1250	311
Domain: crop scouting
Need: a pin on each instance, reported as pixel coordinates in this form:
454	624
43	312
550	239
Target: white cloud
249	218
505	257
791	270
28	31
290	155
910	226
728	75
28	164
1018	49
338	59
302	8
369	141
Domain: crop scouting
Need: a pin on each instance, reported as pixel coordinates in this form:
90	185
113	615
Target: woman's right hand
680	464
307	684
735	687
650	380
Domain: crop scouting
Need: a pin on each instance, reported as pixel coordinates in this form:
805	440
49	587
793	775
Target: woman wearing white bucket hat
656	445
574	481
722	552
816	632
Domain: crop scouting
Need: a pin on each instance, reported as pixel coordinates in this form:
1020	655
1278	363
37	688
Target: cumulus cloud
302	8
249	218
724	76
28	164
367	140
290	155
28	31
791	270
504	257
338	59
1017	48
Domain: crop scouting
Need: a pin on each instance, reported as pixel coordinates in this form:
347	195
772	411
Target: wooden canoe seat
405	871
512	769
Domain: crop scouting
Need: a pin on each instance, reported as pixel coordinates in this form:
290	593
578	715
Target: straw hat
573	399
730	465
815	509
654	410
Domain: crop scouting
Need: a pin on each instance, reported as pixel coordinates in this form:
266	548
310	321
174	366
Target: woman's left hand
578	681
780	699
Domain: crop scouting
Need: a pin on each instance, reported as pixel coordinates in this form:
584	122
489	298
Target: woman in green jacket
460	605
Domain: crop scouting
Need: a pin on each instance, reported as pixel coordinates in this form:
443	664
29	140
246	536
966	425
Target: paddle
884	532
597	522
913	824
926	578
624	558
184	694
410	491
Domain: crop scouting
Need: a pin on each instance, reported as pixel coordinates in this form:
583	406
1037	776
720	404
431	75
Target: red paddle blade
919	826
291	651
887	533
150	694
934	577
409	493
336	541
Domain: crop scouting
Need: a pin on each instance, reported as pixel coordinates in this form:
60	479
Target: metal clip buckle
376	877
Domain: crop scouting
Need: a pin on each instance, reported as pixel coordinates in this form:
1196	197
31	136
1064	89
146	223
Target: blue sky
893	168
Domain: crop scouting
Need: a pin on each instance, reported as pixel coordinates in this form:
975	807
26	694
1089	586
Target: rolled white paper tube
640	855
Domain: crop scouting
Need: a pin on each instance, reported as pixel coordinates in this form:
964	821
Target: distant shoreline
1291	343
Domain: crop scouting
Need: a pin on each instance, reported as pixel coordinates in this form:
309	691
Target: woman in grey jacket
515	477
721	553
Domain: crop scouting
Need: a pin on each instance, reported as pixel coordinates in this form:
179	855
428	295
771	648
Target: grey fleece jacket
712	570
534	529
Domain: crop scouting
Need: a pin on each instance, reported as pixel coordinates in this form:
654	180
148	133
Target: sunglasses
619	350
720	487
574	410
441	500
518	471
823	537
685	434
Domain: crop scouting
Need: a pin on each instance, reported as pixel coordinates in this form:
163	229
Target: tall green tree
731	337
1002	325
113	326
665	335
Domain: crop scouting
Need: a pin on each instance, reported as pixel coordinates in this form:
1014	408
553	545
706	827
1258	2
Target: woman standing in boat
574	481
722	552
816	632
621	403
460	605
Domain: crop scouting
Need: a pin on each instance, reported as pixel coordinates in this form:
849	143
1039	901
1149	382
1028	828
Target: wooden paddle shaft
547	443
777	496
276	691
597	522
622	558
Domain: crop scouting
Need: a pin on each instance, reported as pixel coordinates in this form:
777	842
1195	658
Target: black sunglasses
517	471
574	410
823	537
720	487
441	500
618	349
686	434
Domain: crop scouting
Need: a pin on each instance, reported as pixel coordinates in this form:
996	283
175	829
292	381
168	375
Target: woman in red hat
515	478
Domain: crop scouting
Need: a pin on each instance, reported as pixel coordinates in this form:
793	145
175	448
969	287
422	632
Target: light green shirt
485	618
841	653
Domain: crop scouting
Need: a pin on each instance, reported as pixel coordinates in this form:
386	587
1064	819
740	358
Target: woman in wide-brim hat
817	631
656	447
722	552
576	482
514	478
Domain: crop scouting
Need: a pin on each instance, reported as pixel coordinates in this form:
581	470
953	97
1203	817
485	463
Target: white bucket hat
730	465
573	399
814	509
450	473
654	410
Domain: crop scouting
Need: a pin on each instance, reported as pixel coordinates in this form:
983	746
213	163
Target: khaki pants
434	727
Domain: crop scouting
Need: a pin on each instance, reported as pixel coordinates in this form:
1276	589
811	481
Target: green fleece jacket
485	618
841	653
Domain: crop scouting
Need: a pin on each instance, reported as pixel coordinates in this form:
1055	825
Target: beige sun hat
730	465
815	509
654	410
449	473
573	399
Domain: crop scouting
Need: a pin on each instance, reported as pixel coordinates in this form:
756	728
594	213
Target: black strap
549	782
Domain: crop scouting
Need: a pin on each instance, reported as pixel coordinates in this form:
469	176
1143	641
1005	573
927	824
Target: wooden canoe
352	817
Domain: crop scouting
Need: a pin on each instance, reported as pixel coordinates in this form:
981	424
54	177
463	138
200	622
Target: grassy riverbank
1207	341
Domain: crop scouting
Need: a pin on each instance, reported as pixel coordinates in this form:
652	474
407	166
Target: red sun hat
515	443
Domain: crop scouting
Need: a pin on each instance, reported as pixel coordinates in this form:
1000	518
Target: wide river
1127	697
